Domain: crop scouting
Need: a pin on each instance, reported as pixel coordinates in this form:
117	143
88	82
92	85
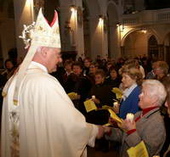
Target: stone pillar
98	38
105	39
24	14
80	32
72	31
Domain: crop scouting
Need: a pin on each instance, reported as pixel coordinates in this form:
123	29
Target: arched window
153	47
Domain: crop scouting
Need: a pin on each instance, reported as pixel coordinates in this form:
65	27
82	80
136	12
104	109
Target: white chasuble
45	120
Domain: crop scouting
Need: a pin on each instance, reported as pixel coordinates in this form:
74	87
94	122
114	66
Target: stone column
80	32
72	30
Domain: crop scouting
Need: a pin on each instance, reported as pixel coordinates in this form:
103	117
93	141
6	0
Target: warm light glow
73	8
29	3
101	22
73	23
29	7
122	28
73	14
144	31
100	19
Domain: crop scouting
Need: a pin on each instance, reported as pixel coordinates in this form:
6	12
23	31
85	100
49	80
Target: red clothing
144	111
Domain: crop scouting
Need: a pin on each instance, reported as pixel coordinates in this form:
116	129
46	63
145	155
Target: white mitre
40	33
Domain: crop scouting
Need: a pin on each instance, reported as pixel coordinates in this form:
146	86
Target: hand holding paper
114	116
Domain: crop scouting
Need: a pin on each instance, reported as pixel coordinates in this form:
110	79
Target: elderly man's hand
127	125
101	132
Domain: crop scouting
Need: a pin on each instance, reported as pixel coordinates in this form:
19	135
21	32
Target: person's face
113	74
9	65
127	80
108	66
68	67
157	70
99	79
87	63
77	70
145	100
92	69
54	58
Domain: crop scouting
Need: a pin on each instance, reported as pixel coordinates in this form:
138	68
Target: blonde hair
133	72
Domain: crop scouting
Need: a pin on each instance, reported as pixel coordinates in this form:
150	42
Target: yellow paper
118	93
90	105
105	107
114	116
138	151
72	95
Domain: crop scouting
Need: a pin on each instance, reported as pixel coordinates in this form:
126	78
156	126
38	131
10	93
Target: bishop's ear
44	51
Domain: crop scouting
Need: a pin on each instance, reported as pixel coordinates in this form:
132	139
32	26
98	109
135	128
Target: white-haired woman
148	125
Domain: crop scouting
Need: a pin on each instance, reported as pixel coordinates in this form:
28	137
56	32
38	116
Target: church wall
155	21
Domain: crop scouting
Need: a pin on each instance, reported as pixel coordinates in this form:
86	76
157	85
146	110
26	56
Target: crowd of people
128	77
39	119
96	79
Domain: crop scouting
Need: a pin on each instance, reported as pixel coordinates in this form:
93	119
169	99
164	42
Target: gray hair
157	89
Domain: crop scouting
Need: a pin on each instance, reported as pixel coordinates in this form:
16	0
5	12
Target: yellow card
90	105
72	95
114	116
118	93
138	151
